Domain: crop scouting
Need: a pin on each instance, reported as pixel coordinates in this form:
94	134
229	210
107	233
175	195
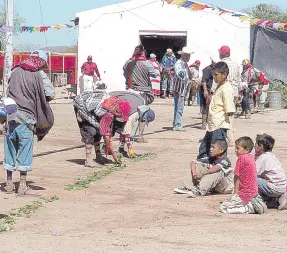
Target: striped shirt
181	77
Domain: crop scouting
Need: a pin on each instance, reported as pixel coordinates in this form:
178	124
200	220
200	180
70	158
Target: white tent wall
111	36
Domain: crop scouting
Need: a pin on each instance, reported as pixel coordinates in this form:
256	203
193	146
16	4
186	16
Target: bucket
275	100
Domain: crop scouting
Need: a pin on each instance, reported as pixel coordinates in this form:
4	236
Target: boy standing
209	174
221	108
272	180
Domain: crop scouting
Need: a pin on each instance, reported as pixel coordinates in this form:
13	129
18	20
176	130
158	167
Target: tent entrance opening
158	42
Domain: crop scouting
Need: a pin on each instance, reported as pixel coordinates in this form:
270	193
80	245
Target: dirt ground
135	210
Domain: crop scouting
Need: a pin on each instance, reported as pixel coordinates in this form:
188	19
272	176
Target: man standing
89	69
205	92
138	73
234	78
194	83
168	62
182	77
257	82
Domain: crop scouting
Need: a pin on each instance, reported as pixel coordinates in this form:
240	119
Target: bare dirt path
135	210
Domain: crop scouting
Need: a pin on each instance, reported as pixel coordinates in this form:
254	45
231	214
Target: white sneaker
181	190
192	194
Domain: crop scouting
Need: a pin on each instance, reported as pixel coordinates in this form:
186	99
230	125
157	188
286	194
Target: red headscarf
33	63
138	55
117	107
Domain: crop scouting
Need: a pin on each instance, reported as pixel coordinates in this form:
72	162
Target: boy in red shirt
245	198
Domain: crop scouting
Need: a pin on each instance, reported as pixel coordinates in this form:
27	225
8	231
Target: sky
61	11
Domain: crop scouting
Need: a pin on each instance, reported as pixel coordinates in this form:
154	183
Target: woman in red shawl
31	93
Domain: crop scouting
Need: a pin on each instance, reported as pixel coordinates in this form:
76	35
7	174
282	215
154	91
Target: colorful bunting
195	6
31	29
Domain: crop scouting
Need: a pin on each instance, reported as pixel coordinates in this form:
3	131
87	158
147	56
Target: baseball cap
90	57
150	116
41	54
224	50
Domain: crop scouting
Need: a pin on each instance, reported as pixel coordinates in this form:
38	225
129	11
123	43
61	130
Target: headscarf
37	61
33	64
117	107
138	55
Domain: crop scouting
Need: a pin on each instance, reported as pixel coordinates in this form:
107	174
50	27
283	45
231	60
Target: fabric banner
196	6
269	52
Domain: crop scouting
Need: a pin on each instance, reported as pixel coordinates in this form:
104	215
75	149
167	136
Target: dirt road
135	210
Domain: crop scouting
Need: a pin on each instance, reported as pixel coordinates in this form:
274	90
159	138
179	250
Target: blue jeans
18	147
178	110
198	98
265	191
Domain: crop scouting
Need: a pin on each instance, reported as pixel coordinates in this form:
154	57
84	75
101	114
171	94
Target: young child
272	180
245	197
220	110
209	174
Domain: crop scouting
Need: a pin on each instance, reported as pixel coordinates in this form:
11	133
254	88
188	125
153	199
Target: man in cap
168	62
234	79
89	69
182	77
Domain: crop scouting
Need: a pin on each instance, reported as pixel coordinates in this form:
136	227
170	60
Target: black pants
204	148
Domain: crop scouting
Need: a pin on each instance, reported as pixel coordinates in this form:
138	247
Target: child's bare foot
26	191
9	188
90	164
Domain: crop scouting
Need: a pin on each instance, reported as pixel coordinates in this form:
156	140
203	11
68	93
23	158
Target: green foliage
268	12
277	85
7	224
82	183
146	156
18	21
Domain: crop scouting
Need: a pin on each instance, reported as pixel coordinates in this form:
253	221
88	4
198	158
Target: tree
17	22
268	12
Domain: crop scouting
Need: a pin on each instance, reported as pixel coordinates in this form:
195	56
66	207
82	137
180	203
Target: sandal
9	189
27	192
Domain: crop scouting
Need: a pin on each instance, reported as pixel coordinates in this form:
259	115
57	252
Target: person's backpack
8	109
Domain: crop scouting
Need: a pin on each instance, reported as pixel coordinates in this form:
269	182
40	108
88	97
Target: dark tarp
269	52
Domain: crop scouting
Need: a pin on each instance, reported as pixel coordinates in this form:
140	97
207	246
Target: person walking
91	74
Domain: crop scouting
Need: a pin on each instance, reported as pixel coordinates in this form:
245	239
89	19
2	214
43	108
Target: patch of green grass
7	224
143	157
82	183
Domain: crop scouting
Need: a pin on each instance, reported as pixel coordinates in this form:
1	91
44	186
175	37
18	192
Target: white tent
111	33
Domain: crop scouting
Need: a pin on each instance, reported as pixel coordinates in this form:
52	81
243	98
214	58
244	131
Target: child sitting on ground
272	180
209	174
245	198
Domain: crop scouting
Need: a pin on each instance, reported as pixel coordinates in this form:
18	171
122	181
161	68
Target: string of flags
195	6
21	29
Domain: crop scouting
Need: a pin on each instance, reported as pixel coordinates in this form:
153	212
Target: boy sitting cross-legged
272	181
210	174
